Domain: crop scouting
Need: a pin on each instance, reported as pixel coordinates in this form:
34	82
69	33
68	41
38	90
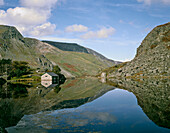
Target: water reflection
2	81
10	90
153	96
20	100
115	111
63	121
48	84
104	111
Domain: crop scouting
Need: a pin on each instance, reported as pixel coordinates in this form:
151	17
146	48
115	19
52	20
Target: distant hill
152	58
73	59
77	48
68	46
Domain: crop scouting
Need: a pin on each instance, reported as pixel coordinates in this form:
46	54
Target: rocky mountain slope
45	55
152	58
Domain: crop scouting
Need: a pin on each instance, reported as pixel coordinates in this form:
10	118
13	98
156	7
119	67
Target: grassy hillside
73	47
77	63
73	59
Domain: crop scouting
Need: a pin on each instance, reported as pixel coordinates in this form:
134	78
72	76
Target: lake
86	105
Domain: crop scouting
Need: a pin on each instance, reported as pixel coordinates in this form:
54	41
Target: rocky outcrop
152	58
9	32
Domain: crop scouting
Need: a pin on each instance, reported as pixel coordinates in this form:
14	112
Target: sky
114	28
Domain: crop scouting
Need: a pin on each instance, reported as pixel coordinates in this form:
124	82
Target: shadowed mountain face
153	97
31	99
68	46
73	59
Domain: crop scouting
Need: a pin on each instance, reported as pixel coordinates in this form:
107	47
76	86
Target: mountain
77	48
152	58
73	59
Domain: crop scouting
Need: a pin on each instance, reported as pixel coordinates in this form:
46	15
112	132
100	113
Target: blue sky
114	28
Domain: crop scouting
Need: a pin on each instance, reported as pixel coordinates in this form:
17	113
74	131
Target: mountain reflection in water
63	109
71	94
153	96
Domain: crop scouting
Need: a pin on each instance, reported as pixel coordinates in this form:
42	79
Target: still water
86	105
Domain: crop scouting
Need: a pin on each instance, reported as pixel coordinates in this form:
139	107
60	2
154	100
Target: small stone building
50	76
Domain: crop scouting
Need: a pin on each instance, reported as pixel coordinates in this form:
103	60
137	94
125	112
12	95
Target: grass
77	63
27	78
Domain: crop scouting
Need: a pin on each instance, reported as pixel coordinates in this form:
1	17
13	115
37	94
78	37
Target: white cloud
102	33
31	17
1	2
23	16
76	28
45	29
149	2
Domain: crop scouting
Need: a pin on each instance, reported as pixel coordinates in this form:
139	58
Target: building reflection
48	84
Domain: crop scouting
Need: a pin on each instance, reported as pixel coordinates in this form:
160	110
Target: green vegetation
78	64
19	68
20	71
56	69
14	68
5	66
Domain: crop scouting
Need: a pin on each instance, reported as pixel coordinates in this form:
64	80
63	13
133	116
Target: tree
56	69
19	68
5	66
